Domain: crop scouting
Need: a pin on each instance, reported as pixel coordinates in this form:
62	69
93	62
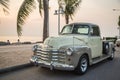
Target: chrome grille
51	56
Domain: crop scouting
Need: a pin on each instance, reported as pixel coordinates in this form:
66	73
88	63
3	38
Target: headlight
69	51
35	48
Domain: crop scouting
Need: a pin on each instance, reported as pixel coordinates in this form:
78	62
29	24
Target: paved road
106	70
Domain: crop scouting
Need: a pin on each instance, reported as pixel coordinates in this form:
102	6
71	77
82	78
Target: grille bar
49	56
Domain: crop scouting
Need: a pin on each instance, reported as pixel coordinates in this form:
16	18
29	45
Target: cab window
95	31
81	29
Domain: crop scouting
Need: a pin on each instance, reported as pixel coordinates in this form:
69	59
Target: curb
13	68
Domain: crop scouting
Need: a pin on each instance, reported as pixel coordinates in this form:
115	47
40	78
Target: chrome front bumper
52	65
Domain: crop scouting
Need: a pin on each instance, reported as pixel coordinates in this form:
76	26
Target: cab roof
83	23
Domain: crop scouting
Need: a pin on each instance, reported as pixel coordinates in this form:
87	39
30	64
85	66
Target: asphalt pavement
105	70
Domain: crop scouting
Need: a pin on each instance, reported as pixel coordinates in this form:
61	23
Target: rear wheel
106	48
118	45
112	55
82	65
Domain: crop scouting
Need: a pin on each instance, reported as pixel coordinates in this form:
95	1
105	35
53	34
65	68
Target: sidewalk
14	55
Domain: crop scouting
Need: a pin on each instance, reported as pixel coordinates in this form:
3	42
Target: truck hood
63	40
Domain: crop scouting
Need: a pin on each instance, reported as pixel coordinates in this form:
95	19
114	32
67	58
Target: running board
98	59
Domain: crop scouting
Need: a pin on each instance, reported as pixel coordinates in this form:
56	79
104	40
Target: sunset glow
93	11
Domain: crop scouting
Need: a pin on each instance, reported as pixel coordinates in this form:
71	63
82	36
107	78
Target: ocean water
22	38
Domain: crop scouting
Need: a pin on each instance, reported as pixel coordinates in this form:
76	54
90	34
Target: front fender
78	52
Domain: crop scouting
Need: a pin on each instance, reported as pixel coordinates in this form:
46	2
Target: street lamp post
58	12
118	22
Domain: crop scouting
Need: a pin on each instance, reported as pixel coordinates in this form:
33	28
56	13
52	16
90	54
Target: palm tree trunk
119	26
67	18
119	21
46	19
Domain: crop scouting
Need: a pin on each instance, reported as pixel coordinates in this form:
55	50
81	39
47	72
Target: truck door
95	42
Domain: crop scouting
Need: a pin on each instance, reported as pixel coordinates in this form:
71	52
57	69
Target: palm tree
4	5
70	8
46	19
119	22
24	11
119	25
28	5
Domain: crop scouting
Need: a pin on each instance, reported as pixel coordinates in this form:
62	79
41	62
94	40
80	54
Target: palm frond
60	3
5	5
70	7
24	11
40	6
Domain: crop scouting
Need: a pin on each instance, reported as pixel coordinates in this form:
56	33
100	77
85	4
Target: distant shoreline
2	43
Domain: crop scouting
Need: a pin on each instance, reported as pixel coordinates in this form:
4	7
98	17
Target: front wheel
82	65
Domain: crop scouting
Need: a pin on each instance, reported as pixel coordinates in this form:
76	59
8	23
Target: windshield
75	29
67	29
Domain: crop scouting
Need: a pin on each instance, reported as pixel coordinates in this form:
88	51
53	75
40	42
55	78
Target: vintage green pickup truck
78	46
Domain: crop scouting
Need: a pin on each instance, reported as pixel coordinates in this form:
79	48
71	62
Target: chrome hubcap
84	65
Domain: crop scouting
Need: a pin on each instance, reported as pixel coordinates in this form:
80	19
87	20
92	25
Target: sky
93	11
